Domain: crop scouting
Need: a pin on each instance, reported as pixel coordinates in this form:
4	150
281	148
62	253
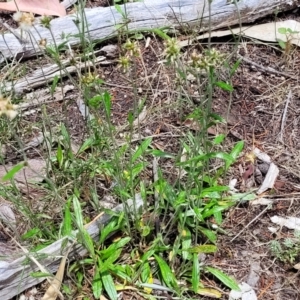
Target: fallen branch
105	22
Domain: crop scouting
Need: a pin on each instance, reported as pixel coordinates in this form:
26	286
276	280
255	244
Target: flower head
24	19
6	108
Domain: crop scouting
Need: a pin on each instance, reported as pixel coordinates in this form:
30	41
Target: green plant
287	250
287	44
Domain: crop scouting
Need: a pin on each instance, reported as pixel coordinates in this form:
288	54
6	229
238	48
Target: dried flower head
43	43
24	19
210	58
6	108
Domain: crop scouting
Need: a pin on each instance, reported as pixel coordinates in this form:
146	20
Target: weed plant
162	247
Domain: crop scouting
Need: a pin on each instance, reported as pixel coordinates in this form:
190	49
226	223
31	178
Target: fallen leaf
289	222
53	290
40	7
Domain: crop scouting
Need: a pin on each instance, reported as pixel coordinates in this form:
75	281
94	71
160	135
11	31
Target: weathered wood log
15	276
104	23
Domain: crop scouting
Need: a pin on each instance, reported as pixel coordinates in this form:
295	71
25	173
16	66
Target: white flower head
24	19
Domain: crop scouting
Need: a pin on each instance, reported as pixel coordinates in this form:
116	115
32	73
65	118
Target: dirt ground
255	116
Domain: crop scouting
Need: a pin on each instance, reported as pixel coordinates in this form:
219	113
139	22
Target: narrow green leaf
77	212
238	148
235	152
159	153
40	275
67	222
59	156
219	139
97	284
235	67
13	171
186	238
137	169
204	249
86	145
208	233
224	86
88	242
146	271
218	188
107	103
218	217
205	157
225	279
109	285
141	149
166	273
195	273
111	227
111	259
213	210
54	84
161	34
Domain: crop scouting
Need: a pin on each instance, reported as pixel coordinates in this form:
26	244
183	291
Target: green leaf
141	149
238	148
219	139
218	217
235	152
159	153
54	84
109	285
195	273
186	238
88	242
235	67
59	156
34	232
215	209
13	171
218	188
208	233
205	157
241	197
107	103
282	30
40	274
65	133
225	279
77	211
67	222
166	273
97	284
281	43
111	227
86	145
204	249
161	34
112	258
224	86
137	169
